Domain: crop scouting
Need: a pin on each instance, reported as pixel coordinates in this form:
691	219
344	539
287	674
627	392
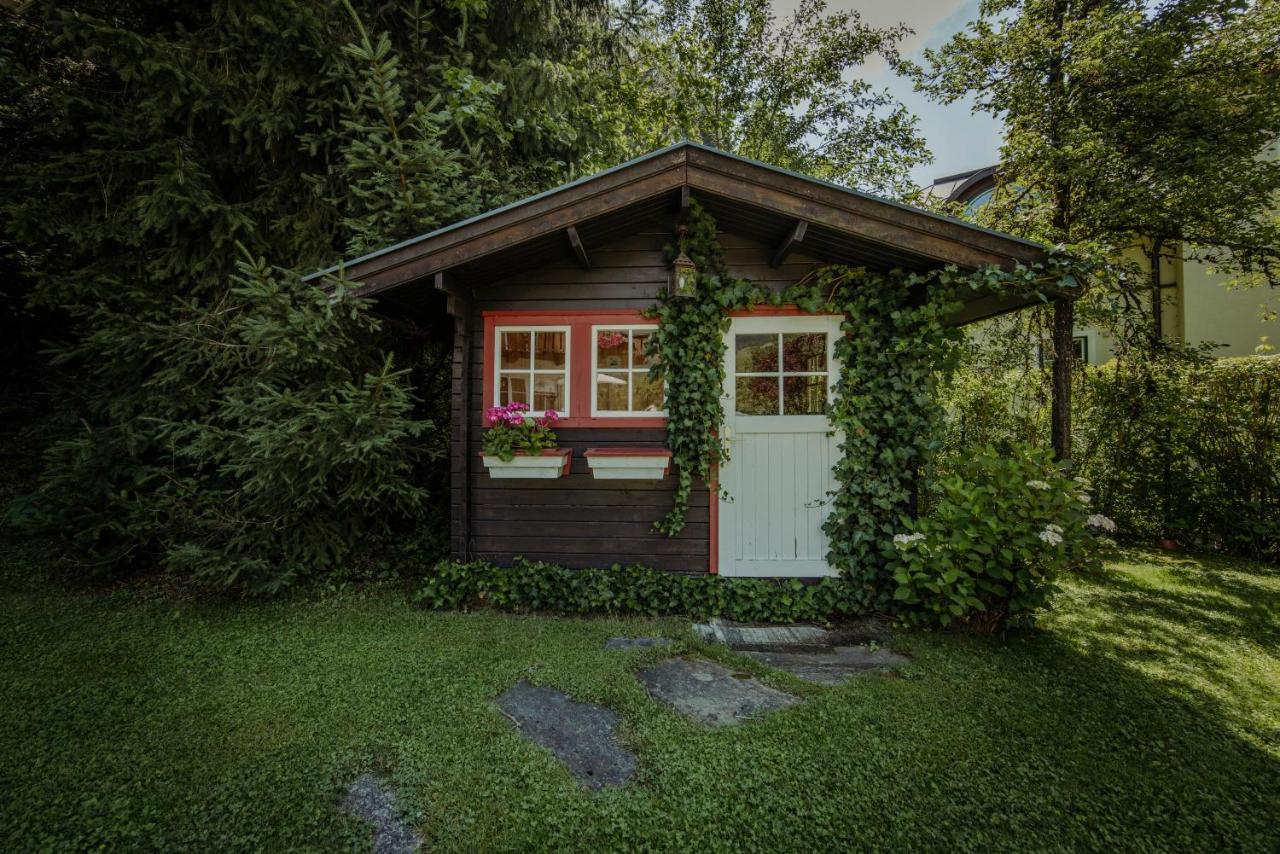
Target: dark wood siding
575	520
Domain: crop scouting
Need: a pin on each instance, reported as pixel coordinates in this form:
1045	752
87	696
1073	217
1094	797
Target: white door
779	373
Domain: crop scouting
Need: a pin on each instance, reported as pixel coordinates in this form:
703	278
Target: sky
958	139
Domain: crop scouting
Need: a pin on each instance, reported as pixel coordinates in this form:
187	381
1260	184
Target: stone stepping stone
627	644
742	636
371	800
775	638
833	666
581	735
711	693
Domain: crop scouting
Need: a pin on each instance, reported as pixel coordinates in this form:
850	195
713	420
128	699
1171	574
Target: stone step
747	637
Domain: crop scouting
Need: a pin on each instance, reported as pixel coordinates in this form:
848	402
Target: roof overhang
745	196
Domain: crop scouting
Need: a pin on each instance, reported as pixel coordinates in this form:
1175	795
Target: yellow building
1197	305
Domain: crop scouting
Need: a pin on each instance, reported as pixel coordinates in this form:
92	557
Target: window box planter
628	463
553	462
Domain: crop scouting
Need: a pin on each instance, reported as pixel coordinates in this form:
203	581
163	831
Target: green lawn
1143	716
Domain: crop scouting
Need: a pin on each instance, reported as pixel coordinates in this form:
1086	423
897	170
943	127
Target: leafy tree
726	73
231	421
1125	121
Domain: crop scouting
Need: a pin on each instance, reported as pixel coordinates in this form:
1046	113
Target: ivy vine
897	347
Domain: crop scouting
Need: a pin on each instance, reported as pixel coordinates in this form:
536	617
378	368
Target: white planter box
549	464
628	463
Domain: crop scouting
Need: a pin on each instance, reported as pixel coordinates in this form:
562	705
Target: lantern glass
684	276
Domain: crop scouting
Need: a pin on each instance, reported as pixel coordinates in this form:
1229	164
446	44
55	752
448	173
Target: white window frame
531	371
779	329
630	370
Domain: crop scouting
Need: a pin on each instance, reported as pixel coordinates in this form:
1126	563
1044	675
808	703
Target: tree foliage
726	73
1128	120
229	422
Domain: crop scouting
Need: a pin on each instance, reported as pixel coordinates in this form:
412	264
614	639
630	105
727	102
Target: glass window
1079	343
621	384
533	368
979	201
780	373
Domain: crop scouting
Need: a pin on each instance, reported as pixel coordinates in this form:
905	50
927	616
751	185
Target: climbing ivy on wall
896	348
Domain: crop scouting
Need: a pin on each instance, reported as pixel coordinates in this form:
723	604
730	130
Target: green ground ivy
896	348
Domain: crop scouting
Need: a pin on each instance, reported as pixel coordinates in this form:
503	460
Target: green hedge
640	590
1174	446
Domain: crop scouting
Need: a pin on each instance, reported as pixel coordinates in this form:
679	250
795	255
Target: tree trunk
1157	301
1064	354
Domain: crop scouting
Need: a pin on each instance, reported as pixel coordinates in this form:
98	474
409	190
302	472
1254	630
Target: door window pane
756	354
804	395
801	376
804	351
757	396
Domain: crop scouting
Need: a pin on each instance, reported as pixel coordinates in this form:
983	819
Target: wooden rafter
789	243
579	251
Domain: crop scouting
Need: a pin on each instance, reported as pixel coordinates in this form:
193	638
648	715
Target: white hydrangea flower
1037	484
1097	520
1081	481
901	540
1057	529
1053	538
1084	498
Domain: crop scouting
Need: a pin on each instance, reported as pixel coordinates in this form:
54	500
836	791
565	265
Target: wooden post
459	306
1064	353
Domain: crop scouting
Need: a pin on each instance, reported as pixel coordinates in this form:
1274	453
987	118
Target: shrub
512	430
1002	526
537	586
1175	445
1186	449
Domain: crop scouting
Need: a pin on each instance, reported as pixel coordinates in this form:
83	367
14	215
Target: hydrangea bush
999	530
513	429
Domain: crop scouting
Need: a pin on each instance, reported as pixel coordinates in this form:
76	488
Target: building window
979	201
620	383
1080	343
533	367
795	384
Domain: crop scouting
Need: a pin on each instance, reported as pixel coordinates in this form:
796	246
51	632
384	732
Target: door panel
778	476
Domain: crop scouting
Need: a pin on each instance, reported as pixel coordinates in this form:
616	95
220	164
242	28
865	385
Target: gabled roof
745	196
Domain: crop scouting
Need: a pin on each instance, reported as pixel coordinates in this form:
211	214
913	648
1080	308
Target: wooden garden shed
547	295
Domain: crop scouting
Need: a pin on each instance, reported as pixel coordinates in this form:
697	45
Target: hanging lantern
684	277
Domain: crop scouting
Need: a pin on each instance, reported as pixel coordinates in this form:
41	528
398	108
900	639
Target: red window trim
579	322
